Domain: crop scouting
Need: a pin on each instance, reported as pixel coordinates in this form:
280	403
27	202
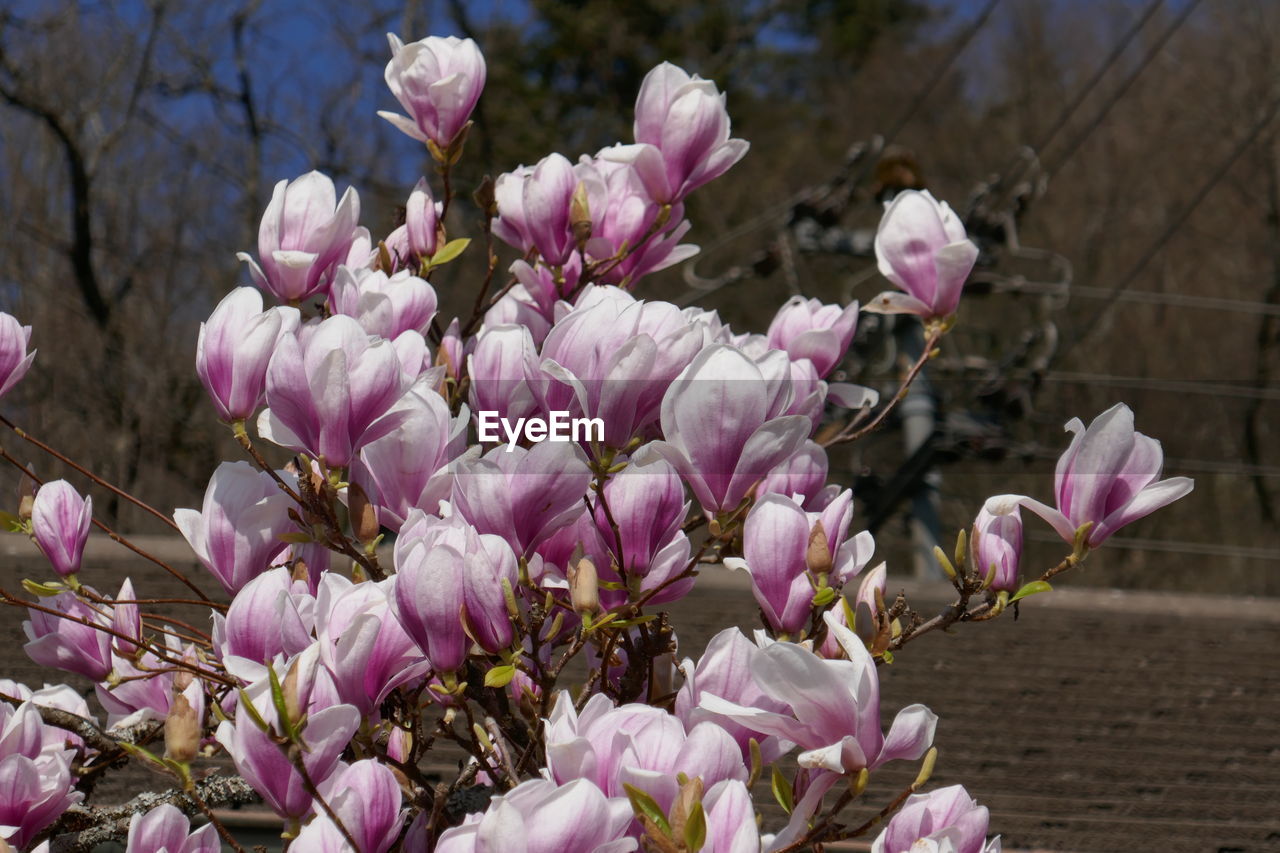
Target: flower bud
421	220
60	521
584	587
14	358
817	556
580	215
181	731
364	516
437	81
997	541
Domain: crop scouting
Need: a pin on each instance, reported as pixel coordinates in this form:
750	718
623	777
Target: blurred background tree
140	139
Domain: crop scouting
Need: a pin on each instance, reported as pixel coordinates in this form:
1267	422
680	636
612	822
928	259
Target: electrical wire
1173	226
1124	86
1145	297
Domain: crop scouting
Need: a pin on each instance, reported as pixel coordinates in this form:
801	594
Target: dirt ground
1099	721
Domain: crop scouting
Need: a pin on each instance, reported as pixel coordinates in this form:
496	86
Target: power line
1209	549
1177	300
940	71
1093	82
1124	86
1175	386
1176	223
1029	154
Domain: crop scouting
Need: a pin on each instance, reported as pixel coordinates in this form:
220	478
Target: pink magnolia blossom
731	819
723	424
234	348
362	643
684	118
724	670
384	305
523	495
1109	476
60	522
265	765
272	616
409	467
305	233
422	220
15	361
620	377
33	794
502	362
328	387
802	474
237	531
72	644
165	829
996	541
832	707
921	247
539	816
437	81
947	820
809	329
366	798
637	745
776	540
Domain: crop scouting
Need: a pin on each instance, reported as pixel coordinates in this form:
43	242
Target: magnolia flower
1108	476
922	248
165	829
366	798
305	233
409	467
723	424
997	541
620	377
33	794
832	707
637	745
947	820
538	816
267	767
60	522
384	305
73	644
421	220
523	495
15	361
809	329
234	348
237	531
437	81
362	644
328	387
684	118
779	542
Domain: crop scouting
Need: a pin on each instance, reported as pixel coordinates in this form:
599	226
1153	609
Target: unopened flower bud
817	557
364	517
26	495
580	215
584	587
289	689
181	731
485	197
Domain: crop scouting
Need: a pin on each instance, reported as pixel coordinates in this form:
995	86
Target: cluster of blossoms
518	620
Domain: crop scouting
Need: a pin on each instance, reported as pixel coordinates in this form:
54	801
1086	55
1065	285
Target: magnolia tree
553	469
